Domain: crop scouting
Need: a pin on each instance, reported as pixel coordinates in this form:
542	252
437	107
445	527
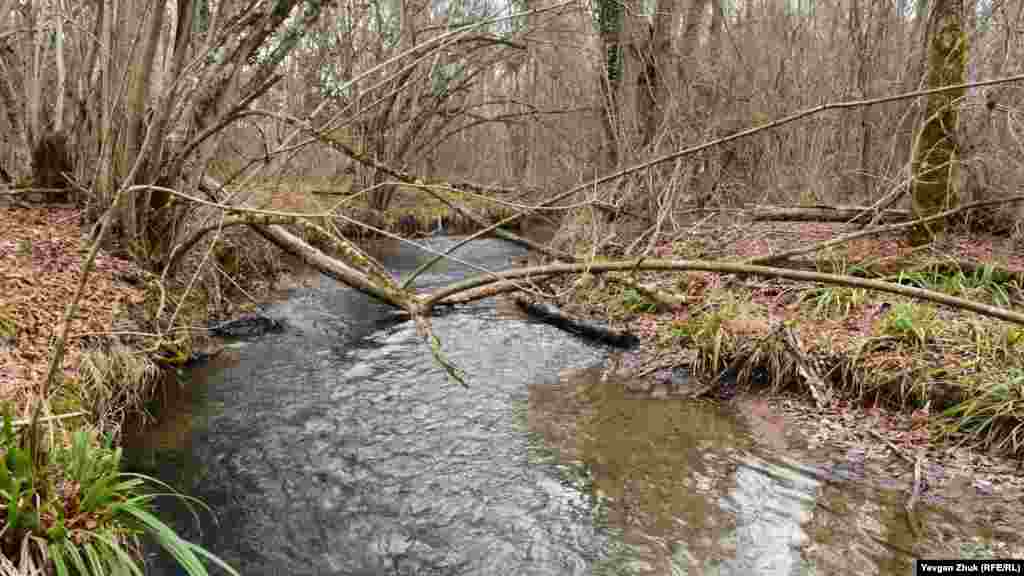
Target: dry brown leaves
761	238
41	256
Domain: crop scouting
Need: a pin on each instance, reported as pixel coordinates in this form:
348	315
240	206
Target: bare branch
726	268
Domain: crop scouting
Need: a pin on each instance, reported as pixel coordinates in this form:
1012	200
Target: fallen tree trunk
381	285
384	290
768	259
822	214
550	314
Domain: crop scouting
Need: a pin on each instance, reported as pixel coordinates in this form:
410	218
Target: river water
340	447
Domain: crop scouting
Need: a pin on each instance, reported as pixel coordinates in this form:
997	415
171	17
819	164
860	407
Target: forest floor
913	391
41	256
111	340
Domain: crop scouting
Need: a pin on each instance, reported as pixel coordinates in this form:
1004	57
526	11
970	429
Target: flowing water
340	447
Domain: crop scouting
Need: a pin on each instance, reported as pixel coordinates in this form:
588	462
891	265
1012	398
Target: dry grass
114	383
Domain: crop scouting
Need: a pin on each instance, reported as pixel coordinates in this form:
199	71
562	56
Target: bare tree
149	86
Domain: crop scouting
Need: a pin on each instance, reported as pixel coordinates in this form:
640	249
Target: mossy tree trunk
609	14
935	164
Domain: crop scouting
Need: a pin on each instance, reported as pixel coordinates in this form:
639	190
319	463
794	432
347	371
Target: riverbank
63	491
132	332
116	349
924	389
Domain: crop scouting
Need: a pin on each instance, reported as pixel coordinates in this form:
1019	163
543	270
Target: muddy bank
907	382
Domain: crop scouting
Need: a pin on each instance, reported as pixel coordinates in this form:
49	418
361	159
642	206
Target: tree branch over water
725	268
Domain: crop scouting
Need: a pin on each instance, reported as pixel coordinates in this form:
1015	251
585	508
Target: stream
338	446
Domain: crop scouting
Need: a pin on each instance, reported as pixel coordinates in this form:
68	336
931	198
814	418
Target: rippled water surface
340	447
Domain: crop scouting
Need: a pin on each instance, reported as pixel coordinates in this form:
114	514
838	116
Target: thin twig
891	446
20	191
53	418
912	518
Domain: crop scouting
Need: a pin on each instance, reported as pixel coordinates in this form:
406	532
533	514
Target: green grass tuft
73	511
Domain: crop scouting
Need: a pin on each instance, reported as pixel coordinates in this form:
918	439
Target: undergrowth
986	283
867	347
113	383
71	510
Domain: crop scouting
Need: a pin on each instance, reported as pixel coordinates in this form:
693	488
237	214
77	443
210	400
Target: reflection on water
340	447
674	481
692	488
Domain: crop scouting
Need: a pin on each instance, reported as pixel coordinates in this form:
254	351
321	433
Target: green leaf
99	494
122	557
56	552
20	462
14	505
212	558
169	541
95	561
5	480
76	557
80	462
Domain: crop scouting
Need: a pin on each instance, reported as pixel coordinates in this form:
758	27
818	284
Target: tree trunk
860	33
688	43
17	137
152	236
609	20
714	55
935	166
51	160
655	82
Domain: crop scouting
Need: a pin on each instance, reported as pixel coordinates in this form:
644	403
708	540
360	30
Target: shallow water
340	447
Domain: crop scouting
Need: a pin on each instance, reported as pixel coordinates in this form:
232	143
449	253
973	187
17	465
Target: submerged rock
249	326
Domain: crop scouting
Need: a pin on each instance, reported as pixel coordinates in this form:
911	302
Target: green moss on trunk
935	165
